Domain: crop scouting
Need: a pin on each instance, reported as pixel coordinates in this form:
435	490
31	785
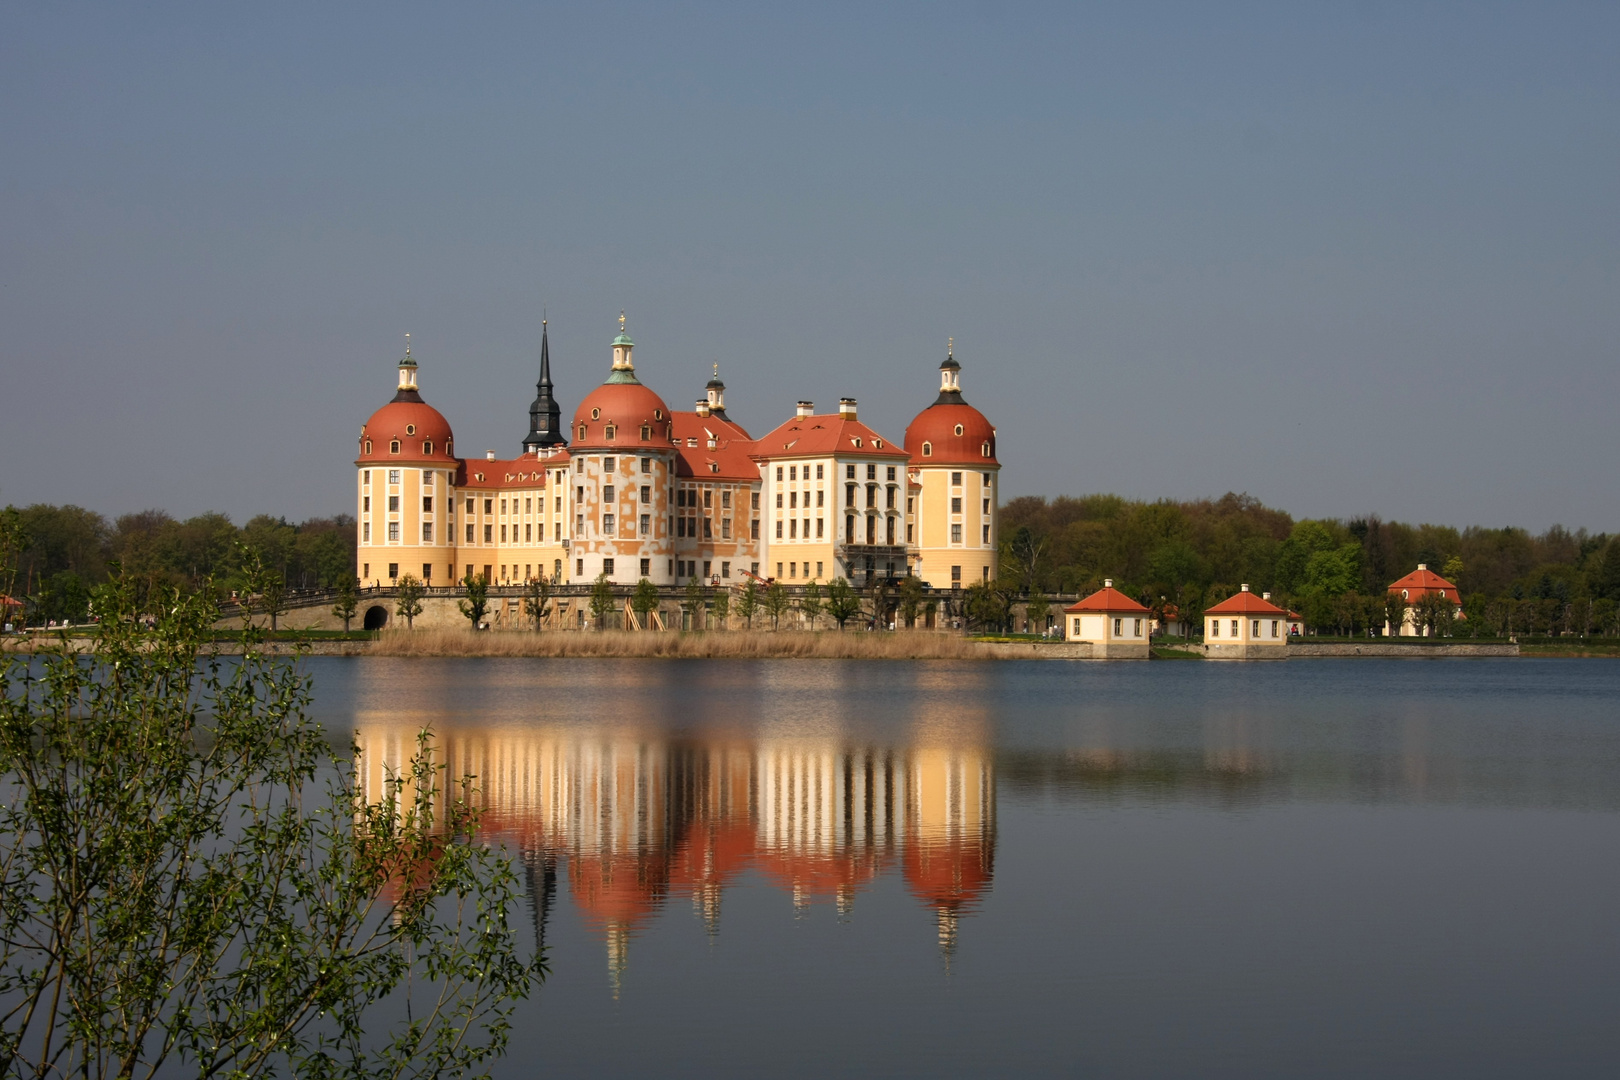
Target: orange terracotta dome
950	431
621	414
407	430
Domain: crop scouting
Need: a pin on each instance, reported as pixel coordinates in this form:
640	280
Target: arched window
928	449
427	447
609	431
393	447
368	446
984	450
582	431
646	432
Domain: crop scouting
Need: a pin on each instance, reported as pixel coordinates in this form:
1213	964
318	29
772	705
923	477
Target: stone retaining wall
1378	648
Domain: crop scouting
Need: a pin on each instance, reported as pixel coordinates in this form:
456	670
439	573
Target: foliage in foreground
191	882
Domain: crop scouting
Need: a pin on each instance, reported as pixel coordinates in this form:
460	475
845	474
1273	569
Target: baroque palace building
633	489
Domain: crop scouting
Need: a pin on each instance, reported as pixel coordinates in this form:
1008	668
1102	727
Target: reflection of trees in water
1111	775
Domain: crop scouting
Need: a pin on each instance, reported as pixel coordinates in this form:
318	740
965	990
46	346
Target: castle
632	489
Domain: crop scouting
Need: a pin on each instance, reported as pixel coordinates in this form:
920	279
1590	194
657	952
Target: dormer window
878	443
958	429
582	431
410	429
368	446
393	447
857	441
928	449
984	450
714	467
427	447
609	431
646	432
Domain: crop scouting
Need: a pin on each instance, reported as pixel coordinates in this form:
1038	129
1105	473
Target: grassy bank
739	644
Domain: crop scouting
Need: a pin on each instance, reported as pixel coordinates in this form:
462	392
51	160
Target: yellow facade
957	520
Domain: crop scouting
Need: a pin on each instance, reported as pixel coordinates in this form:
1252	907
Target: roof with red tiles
824	434
523	472
1245	603
731	456
1422	582
1106	599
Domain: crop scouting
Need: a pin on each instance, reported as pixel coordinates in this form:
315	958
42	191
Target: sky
1351	259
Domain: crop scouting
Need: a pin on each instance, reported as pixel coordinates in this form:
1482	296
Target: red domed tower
406	472
954	478
623	460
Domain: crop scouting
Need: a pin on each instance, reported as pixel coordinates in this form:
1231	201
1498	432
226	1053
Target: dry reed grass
735	644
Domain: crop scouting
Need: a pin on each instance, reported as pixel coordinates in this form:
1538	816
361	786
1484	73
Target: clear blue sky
1348	258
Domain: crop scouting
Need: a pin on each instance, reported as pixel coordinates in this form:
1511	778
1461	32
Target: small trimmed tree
1394	612
1036	610
537	599
409	603
644	600
911	594
810	604
348	602
476	602
721	605
776	603
601	600
843	603
692	604
748	603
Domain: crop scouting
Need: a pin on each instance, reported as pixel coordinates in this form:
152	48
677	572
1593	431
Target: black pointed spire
545	416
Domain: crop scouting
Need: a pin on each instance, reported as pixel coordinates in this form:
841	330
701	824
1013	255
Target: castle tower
545	416
954	474
623	463
405	499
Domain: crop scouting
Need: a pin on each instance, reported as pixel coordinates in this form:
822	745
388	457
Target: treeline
1186	556
52	557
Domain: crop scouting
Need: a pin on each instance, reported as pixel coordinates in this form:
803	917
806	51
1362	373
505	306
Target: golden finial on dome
717	370
950	346
621	320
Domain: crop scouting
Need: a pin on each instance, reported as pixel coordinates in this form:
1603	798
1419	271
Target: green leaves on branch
191	883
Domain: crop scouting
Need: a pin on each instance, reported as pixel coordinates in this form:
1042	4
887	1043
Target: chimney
702	407
489	455
846	408
1265	596
1108	583
1423	566
806	408
1245	588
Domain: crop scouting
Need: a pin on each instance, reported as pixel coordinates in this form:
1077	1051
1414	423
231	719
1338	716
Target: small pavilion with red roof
1414	587
1246	627
1116	627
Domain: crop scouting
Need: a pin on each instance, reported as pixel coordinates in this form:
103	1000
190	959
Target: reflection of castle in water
637	820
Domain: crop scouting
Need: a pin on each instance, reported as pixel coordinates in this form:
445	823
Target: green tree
692	604
842	602
14	542
776	603
644	600
537	599
721	604
1608	575
987	606
602	603
65	598
748	603
1306	539
408	602
194	884
474	605
1037	610
810	605
1394	612
348	601
911	597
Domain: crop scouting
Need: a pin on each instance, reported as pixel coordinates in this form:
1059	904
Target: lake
798	868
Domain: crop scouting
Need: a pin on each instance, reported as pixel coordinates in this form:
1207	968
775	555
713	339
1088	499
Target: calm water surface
1314	868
